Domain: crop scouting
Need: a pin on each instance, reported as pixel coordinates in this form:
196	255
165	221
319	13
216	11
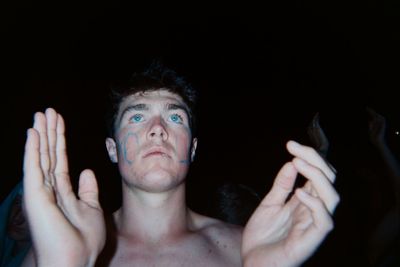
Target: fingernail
294	144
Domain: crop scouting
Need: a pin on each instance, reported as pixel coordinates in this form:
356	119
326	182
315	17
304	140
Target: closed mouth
156	152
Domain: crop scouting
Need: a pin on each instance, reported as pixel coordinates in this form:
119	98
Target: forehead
151	98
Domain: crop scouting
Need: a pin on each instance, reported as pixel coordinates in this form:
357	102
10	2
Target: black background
263	71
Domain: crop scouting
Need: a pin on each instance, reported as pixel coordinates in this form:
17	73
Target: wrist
67	260
259	258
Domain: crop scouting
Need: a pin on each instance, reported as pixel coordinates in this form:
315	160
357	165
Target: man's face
153	142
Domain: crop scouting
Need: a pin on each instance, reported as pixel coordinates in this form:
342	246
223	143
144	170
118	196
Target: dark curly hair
156	76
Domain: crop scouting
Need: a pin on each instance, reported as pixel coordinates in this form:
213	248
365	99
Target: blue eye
137	118
176	118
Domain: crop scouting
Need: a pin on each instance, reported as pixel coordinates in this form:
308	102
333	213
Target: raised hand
286	230
66	230
376	127
318	137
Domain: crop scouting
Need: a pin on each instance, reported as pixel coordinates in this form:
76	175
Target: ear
193	150
112	149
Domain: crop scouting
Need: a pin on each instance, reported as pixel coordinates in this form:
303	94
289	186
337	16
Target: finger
88	190
312	157
33	176
40	125
282	187
61	147
293	203
371	112
51	118
63	183
309	189
322	221
320	183
315	121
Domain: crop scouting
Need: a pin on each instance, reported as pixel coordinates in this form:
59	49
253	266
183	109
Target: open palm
66	230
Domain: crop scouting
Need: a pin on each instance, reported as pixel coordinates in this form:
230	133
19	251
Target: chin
159	181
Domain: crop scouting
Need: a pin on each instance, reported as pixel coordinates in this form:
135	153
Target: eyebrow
137	107
171	106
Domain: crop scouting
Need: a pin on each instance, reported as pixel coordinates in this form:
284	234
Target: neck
153	217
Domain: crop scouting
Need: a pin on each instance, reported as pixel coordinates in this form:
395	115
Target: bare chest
195	254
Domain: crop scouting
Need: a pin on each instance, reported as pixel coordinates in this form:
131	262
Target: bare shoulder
223	231
226	237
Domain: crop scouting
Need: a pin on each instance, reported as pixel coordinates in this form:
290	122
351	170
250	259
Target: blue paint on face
123	145
184	161
187	160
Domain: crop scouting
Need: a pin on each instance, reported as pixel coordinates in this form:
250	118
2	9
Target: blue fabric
10	256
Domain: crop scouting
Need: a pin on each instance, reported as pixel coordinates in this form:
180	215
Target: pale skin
153	148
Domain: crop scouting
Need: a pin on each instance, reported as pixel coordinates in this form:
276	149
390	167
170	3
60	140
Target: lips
159	151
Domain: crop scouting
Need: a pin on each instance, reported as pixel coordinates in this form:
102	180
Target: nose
157	129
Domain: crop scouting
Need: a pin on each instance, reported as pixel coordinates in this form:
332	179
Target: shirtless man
153	142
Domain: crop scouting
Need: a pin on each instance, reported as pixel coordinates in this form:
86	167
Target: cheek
127	147
183	142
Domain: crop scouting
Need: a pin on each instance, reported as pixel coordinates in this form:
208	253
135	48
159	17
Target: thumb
282	187
88	190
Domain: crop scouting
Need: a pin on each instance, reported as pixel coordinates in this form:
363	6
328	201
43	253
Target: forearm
74	259
391	163
393	171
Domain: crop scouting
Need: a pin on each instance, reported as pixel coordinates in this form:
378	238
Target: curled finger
311	156
318	182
